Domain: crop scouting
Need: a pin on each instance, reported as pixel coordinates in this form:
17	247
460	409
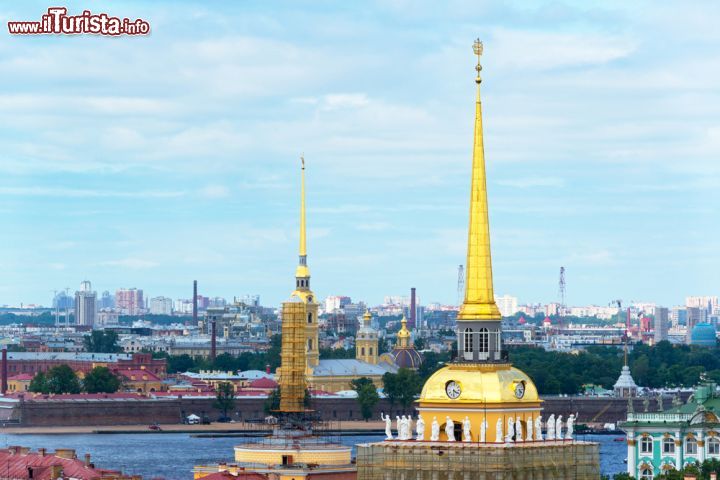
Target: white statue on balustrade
435	430
498	431
558	428
529	427
388	425
538	428
483	430
450	429
402	428
407	425
551	427
510	430
570	426
398	426
518	430
420	428
466	430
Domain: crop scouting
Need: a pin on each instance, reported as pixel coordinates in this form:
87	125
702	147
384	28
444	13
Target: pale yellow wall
339	383
369	345
275	457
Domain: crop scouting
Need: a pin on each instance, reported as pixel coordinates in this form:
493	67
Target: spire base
479	311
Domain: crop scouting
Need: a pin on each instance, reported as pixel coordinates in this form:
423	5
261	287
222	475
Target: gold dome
480	384
404	332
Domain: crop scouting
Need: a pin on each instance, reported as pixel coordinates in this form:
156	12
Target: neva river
172	456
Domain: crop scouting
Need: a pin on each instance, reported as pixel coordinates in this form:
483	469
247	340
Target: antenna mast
561	289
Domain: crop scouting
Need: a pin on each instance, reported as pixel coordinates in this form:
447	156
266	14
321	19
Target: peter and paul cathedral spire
302	273
479	303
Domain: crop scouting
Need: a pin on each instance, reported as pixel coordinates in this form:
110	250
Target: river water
172	456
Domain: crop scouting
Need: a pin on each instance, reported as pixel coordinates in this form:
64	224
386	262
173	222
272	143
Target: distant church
335	375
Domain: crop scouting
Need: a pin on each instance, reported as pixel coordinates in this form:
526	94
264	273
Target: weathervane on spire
302	160
478	49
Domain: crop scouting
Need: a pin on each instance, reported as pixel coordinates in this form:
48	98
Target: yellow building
479	417
366	342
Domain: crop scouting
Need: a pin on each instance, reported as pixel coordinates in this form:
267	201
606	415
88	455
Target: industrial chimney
195	316
4	374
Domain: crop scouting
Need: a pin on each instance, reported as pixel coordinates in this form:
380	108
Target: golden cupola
480	384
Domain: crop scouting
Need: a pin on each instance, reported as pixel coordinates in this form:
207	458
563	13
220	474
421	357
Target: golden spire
479	301
302	270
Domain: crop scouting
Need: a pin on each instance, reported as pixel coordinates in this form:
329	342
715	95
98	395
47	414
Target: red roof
16	460
21	377
547	320
263	382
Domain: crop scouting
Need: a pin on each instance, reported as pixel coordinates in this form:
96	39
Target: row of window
691	446
484	340
362	351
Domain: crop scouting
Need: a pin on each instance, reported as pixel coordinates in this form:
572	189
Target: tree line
63	379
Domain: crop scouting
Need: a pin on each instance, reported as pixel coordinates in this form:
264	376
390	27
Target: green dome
703	334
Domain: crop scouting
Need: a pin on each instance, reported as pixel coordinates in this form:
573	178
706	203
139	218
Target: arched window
309	344
646	444
371	350
668	446
646	473
713	446
484	343
362	351
309	317
467	343
690	446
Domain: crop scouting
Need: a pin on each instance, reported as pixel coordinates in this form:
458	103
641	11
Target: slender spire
479	303
303	246
302	271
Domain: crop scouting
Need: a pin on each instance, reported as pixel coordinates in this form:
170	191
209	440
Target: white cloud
85	193
130	263
524	49
215	191
531	182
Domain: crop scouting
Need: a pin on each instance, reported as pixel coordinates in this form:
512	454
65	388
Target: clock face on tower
520	390
452	389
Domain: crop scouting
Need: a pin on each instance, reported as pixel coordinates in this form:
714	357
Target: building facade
671	439
129	301
660	324
86	305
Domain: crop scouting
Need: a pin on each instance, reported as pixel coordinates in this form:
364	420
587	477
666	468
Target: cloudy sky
152	161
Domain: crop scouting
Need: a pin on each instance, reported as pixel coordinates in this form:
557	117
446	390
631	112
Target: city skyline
600	150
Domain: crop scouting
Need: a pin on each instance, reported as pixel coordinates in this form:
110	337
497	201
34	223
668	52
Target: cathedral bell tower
302	284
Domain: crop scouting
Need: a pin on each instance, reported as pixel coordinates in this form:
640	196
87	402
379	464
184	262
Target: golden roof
403	332
479	384
479	302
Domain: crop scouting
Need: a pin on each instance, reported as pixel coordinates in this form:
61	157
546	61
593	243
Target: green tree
101	380
39	383
367	396
272	403
225	398
180	363
62	379
402	387
102	341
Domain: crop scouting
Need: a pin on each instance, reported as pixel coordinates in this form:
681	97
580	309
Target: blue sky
153	161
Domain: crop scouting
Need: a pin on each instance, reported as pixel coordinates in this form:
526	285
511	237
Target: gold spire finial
478	50
479	301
